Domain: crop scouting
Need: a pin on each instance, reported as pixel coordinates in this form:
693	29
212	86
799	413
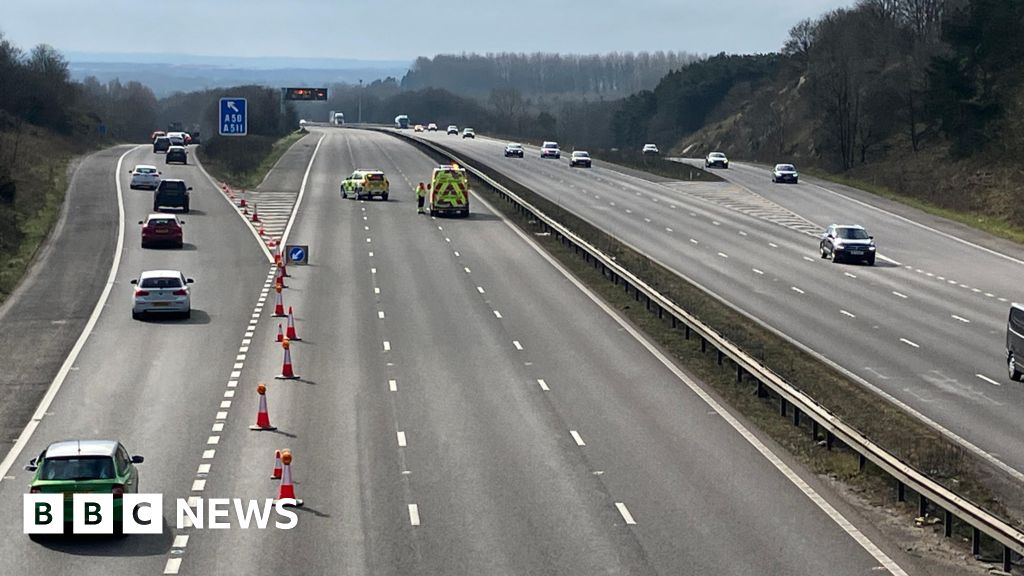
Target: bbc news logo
95	513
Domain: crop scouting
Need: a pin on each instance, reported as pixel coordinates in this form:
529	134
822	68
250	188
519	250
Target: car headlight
871	247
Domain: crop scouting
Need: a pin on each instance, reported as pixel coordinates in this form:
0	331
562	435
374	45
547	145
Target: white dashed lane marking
577	438
625	513
845	313
517	344
960	318
987	379
909	343
797	290
393	385
414	515
543	385
756	271
895	293
401	439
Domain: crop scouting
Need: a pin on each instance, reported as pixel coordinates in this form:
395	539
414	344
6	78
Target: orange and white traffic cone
291	326
276	474
277	256
262	416
242	203
279	276
280	334
255	212
278	303
261	230
284	261
287	372
287	488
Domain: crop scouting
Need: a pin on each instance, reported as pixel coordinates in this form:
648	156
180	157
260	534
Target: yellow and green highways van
365	184
449	191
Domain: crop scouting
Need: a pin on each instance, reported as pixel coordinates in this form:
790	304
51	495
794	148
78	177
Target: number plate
857	252
160	303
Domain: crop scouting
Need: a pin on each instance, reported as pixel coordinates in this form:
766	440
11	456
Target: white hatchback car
145	176
162	291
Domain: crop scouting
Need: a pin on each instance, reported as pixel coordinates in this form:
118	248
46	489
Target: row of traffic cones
282	458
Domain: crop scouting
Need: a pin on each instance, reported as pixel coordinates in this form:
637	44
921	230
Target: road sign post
297	253
234	120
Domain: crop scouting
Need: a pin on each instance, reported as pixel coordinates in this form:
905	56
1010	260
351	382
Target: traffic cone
242	203
284	266
287	373
291	326
277	255
276	474
280	335
262	416
255	212
261	231
278	303
279	278
287	488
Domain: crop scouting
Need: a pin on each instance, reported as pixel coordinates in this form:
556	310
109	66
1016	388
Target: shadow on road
109	544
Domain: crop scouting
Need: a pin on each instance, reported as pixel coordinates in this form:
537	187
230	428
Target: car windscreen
78	468
550	145
785	168
717	155
160	283
166	186
852	234
145	170
161	222
581	154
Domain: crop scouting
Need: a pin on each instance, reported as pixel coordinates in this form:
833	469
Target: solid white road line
401	439
577	438
625	513
909	343
302	192
65	368
414	515
987	379
543	384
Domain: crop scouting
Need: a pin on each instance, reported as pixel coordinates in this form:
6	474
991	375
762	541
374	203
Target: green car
82	466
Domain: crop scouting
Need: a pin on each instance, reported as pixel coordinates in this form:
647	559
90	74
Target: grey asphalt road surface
462	408
150	384
926	325
45	315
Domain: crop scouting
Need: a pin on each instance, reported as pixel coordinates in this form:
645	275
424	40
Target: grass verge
903	435
980	221
34	182
243	162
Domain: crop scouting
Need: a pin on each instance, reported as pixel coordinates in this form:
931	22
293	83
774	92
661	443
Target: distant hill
169	73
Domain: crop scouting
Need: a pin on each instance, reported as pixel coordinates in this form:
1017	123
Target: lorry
401	121
448	191
338	119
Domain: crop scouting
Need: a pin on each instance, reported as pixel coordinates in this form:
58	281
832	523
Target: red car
161	229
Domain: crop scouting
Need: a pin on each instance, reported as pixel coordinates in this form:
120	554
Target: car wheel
832	255
156	207
871	261
1011	364
181	244
796	180
185	208
821	250
136	315
187	314
384	197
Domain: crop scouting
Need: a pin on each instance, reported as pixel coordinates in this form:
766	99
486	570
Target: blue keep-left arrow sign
298	254
233	118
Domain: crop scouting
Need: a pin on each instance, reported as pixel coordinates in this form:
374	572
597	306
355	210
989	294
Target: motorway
926	326
463	407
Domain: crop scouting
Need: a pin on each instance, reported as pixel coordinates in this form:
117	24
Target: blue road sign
298	254
233	118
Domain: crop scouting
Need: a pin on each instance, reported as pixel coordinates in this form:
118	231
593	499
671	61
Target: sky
403	29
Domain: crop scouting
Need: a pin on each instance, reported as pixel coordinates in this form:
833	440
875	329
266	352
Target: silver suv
847	242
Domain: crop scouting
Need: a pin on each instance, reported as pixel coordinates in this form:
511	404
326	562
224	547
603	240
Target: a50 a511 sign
234	117
96	513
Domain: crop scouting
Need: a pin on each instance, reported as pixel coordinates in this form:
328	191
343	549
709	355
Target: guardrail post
922	505
783	406
796	416
975	542
719	357
862	461
901	492
1007	559
687	332
739	374
947	524
830	439
675	322
703	344
661	312
762	392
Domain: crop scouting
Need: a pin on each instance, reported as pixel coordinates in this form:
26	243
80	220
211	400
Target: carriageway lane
860	318
45	315
145	383
500	483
